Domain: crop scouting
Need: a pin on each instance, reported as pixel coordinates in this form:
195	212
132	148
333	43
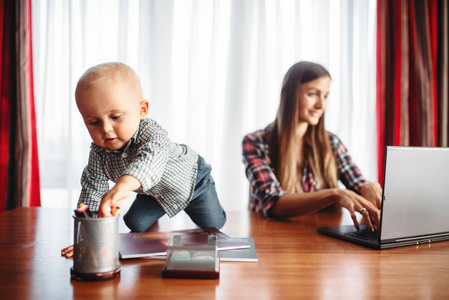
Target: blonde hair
110	71
284	150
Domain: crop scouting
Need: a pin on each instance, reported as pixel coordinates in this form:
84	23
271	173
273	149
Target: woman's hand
356	203
373	193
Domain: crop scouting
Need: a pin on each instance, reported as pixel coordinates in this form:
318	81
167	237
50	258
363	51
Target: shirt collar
131	141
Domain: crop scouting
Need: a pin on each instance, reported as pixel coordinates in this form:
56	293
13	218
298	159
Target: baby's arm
114	198
117	192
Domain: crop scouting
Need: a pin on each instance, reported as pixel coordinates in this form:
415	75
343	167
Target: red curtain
19	167
412	74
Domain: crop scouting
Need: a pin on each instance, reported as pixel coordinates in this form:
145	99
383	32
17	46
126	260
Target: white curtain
211	70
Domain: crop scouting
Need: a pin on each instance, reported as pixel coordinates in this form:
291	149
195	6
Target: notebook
154	243
415	200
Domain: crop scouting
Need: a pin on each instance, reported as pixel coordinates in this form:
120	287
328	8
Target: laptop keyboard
367	235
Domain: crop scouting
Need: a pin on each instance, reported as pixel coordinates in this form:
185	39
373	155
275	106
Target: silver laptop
415	201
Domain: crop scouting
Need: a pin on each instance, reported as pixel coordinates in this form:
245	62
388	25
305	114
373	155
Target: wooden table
294	262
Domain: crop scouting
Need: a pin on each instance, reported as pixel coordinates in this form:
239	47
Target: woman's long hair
284	149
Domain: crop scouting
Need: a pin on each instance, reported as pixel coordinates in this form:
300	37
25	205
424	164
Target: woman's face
311	99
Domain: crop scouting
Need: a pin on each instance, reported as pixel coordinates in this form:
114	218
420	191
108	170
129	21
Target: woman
293	164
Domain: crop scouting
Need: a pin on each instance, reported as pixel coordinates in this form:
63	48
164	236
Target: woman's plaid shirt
265	187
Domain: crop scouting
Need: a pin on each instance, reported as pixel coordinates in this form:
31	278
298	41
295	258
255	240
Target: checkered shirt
166	170
265	187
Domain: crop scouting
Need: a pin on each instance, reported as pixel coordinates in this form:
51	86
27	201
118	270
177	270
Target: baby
135	152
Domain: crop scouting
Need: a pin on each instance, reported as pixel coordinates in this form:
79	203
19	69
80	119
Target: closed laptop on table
415	200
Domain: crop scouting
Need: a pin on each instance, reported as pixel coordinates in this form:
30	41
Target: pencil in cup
115	211
83	211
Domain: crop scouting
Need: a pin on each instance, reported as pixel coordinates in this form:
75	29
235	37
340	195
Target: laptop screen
415	192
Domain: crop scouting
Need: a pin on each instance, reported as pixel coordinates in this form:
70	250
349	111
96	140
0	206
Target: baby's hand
67	252
111	202
114	198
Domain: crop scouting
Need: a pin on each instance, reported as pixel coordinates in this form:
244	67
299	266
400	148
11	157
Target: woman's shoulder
334	140
257	141
336	143
332	136
260	135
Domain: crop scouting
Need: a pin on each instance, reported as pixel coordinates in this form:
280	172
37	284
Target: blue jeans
204	209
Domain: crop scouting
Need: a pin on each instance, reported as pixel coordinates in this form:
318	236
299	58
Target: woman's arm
372	191
269	196
265	188
292	205
351	176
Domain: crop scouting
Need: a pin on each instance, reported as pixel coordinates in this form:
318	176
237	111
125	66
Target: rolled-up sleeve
265	187
349	174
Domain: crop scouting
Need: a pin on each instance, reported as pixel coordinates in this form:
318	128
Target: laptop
415	201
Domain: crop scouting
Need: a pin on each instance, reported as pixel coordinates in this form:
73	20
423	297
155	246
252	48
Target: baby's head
110	99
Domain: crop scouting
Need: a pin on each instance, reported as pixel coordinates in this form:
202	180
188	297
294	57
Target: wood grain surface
295	262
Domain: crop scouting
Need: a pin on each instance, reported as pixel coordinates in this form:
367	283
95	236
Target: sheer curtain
212	71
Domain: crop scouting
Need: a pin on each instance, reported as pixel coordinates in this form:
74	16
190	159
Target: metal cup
96	255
